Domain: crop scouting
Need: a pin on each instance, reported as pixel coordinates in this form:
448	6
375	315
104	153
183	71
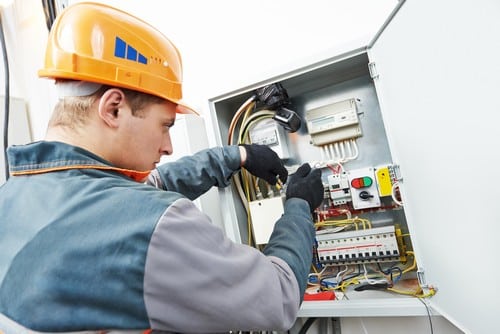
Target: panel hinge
373	70
421	278
395	172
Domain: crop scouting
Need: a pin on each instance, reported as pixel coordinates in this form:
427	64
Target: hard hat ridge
96	43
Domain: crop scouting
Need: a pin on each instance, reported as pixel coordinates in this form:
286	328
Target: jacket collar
50	156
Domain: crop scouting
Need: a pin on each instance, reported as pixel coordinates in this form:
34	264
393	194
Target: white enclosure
437	74
435	71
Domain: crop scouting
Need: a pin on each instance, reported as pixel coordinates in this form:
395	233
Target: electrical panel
361	228
425	125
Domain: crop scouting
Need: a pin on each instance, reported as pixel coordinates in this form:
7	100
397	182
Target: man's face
146	138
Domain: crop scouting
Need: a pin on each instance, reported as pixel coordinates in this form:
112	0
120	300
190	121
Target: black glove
306	184
264	163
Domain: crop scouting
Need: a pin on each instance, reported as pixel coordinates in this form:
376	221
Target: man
96	238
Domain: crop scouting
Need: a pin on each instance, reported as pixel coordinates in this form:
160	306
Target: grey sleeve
292	240
197	280
194	175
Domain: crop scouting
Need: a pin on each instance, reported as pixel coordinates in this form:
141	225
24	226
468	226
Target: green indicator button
367	181
361	182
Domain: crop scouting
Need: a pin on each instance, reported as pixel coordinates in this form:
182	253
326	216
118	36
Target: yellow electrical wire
343	222
241	189
417	293
234	121
248	110
249	220
343	286
414	264
247	122
331	223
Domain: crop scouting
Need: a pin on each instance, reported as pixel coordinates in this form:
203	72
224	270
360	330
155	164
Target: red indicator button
361	182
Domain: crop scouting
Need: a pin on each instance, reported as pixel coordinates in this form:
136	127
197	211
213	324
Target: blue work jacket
88	246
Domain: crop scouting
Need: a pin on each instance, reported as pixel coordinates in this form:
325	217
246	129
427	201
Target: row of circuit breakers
333	128
380	244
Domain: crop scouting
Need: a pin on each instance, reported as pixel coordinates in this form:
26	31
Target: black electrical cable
49	9
7	100
307	325
52	8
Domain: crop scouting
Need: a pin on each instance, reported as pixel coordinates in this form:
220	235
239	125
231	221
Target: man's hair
73	111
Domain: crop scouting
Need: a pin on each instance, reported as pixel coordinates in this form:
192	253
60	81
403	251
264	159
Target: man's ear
110	104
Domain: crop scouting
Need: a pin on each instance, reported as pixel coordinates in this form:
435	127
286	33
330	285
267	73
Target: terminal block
381	244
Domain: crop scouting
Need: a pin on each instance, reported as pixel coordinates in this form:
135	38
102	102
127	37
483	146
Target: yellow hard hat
97	43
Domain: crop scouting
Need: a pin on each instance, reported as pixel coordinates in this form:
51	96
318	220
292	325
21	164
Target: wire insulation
307	325
428	315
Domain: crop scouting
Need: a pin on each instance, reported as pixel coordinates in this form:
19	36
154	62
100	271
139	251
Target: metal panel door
436	68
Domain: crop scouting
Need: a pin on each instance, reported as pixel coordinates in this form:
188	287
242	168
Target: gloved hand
306	183
264	163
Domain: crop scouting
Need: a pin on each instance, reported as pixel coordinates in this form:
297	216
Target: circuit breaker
340	191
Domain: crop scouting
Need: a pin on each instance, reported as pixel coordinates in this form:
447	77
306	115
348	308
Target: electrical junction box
270	133
264	214
414	108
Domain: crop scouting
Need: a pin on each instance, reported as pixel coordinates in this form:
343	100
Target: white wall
26	36
225	44
228	44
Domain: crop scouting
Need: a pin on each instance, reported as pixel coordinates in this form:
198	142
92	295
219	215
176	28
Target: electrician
95	237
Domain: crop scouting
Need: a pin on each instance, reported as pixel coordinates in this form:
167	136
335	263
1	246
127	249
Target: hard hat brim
183	108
